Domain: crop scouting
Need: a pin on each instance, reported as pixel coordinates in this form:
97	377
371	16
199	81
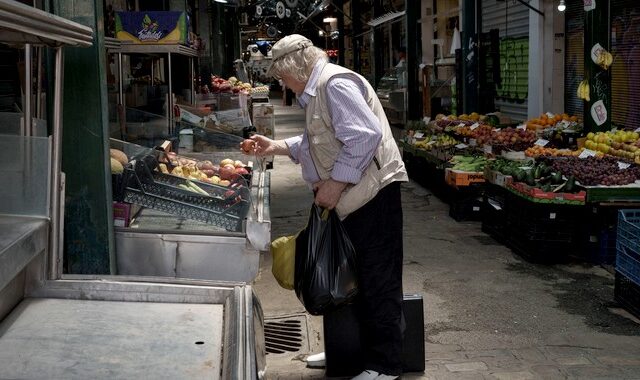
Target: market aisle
488	313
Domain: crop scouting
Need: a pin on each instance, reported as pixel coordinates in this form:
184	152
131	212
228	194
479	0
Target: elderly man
350	160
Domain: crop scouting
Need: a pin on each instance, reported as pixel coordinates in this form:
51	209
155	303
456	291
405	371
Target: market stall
151	100
544	187
48	320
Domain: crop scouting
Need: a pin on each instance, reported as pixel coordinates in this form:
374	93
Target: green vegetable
569	187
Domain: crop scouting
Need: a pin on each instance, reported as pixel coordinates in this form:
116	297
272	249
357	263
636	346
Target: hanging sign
599	112
589	5
156	27
596	51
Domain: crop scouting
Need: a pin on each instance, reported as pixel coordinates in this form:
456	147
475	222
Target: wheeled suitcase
342	339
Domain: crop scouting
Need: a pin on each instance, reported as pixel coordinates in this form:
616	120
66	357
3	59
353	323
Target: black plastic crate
465	203
469	209
598	248
543	233
547	222
627	294
494	205
540	251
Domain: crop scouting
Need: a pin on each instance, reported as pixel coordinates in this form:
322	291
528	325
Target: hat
287	45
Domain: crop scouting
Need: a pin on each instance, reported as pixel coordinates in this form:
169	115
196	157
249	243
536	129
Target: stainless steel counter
21	239
71	339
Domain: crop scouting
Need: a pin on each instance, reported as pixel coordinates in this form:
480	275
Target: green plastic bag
283	252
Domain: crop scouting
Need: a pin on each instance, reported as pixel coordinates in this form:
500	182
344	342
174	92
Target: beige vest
387	165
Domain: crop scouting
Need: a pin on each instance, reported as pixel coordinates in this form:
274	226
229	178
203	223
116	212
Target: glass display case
392	93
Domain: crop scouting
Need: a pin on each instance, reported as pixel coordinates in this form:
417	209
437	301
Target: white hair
298	64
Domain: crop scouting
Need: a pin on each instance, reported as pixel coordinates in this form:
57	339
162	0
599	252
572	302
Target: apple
248	145
238	164
242	171
227	172
224	182
227	161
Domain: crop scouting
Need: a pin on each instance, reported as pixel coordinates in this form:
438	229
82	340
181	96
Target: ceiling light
320	33
221	1
329	19
562	6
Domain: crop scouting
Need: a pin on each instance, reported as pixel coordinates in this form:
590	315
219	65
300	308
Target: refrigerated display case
217	233
55	325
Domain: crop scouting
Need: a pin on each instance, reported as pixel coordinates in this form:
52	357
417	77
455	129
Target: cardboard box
457	178
123	213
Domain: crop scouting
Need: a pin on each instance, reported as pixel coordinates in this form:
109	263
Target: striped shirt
355	125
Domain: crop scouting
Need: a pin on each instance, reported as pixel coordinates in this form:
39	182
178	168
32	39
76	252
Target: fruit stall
49	318
195	215
542	187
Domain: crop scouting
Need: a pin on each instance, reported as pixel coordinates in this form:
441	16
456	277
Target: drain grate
286	334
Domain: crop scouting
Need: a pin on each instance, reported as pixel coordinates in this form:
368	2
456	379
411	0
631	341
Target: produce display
547	120
561	159
232	86
622	144
468	163
221	174
594	171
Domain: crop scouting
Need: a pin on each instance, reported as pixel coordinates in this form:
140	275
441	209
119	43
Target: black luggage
342	339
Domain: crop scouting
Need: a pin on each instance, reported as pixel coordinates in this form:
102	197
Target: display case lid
22	24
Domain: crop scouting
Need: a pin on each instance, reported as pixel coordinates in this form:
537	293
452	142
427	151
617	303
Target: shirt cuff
344	173
294	147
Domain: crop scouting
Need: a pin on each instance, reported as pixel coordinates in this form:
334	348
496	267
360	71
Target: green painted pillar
88	222
597	111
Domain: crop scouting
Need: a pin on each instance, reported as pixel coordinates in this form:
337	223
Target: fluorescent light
562	6
221	1
329	19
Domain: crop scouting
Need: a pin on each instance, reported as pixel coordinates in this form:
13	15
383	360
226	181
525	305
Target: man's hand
264	146
328	193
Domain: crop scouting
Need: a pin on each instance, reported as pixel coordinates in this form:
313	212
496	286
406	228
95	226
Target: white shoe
369	374
316	361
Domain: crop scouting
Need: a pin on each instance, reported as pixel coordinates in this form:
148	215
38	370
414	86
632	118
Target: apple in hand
248	145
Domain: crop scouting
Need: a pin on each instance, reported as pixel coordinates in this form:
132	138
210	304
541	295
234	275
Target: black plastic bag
325	272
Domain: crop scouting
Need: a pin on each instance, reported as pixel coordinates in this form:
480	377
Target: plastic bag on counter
283	253
325	263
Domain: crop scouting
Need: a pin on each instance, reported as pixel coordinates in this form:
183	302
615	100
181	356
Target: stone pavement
488	313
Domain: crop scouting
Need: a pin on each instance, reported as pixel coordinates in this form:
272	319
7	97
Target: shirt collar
312	84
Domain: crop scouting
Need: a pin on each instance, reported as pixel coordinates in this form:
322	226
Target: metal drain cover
288	334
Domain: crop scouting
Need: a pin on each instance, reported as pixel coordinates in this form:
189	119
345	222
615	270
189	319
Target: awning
22	24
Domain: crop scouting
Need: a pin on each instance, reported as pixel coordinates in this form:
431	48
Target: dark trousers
375	230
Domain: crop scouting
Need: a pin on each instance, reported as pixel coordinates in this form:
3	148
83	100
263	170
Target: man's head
294	57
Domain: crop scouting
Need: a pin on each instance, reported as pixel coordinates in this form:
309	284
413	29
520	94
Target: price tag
426	119
487	149
462	146
418	135
472	142
474	126
521	126
637	130
542	142
552	215
550	115
623	165
587	153
461	125
564	124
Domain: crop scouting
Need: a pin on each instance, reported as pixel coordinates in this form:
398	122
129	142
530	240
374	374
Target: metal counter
159	244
